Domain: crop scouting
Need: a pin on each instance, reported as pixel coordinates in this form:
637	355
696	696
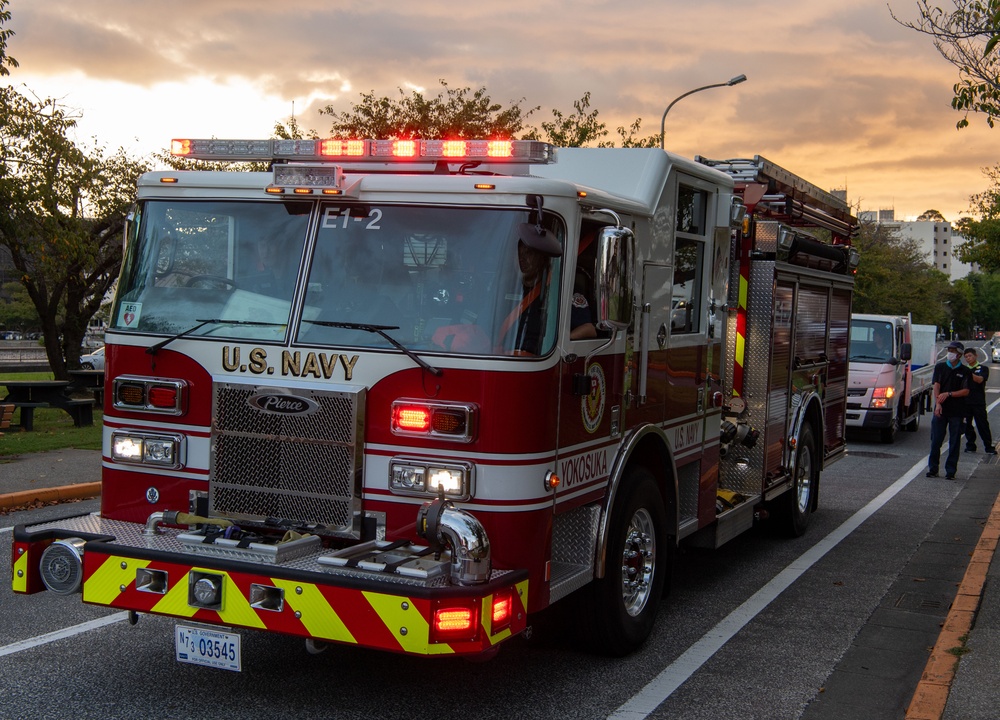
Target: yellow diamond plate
740	348
390	610
317	616
107	582
744	289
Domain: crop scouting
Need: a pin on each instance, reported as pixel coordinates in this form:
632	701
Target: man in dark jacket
951	386
975	405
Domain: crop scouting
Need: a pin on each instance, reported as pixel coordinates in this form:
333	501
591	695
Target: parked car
93	361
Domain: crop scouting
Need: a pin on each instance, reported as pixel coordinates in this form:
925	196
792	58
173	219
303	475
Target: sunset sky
838	92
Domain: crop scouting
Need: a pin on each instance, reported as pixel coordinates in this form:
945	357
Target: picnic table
91	381
26	395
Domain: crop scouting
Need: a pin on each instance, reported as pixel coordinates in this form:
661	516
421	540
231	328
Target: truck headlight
129	446
881	396
423	478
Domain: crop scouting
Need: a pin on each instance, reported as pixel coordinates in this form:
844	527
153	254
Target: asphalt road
752	630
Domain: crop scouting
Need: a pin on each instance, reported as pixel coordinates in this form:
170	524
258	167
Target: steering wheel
211	280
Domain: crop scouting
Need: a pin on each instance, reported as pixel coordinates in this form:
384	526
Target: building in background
935	236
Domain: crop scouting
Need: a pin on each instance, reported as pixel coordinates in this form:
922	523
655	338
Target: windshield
448	279
443	279
188	261
871	341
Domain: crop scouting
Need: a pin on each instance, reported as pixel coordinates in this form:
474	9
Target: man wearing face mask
951	386
975	405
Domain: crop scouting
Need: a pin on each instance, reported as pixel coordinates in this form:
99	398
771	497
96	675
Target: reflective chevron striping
110	579
315	613
19	573
408	626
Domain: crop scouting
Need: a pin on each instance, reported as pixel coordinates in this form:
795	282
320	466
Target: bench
6	413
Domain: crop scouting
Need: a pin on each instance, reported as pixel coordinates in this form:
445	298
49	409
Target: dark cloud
838	92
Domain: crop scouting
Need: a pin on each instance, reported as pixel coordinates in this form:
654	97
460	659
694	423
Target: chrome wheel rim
638	562
805	477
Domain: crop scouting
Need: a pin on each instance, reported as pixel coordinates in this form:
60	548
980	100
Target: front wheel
799	501
624	602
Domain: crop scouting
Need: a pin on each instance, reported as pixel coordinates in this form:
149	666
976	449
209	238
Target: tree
894	278
65	211
453	113
982	235
64	208
16	309
985	306
5	60
467	113
967	38
931	216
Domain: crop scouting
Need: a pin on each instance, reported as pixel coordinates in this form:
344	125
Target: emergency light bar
358	151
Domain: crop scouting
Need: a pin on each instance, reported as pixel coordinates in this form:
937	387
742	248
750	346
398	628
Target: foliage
467	113
6	61
931	215
16	309
894	278
984	310
65	207
452	113
982	235
576	130
966	37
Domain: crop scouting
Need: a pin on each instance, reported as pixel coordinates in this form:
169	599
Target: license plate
207	646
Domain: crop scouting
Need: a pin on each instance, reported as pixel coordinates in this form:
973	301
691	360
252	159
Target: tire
914	424
798	501
888	434
86	366
623	604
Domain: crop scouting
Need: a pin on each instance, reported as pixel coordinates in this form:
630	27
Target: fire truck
404	394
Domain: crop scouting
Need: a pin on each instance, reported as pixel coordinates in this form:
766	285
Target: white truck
891	371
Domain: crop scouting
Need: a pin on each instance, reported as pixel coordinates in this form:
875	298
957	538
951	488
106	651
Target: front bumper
308	596
869	419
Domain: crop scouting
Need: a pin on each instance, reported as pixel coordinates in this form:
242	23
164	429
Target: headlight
424	478
129	446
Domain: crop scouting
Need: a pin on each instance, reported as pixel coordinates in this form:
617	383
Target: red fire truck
403	394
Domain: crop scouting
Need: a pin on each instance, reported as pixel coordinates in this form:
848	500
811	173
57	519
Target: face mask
952	357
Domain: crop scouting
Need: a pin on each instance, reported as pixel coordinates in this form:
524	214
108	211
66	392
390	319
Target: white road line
60	634
675	674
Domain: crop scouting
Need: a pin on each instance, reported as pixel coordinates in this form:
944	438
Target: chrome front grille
302	468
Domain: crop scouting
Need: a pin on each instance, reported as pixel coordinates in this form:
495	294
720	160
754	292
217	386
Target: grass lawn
53	427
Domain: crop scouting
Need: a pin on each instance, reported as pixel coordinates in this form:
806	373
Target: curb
931	696
80	491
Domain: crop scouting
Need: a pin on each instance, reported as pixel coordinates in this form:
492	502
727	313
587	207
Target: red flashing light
404	148
411	417
163	396
454	623
503	606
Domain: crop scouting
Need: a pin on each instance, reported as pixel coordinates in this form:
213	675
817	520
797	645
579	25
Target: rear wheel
624	602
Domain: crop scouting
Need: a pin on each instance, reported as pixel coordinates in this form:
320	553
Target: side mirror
615	256
905	352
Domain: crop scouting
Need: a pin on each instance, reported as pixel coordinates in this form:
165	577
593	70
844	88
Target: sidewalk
46	476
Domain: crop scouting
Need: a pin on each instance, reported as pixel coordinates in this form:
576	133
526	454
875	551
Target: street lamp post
663	122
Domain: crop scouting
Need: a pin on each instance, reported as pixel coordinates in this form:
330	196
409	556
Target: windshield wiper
153	349
868	357
381	330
